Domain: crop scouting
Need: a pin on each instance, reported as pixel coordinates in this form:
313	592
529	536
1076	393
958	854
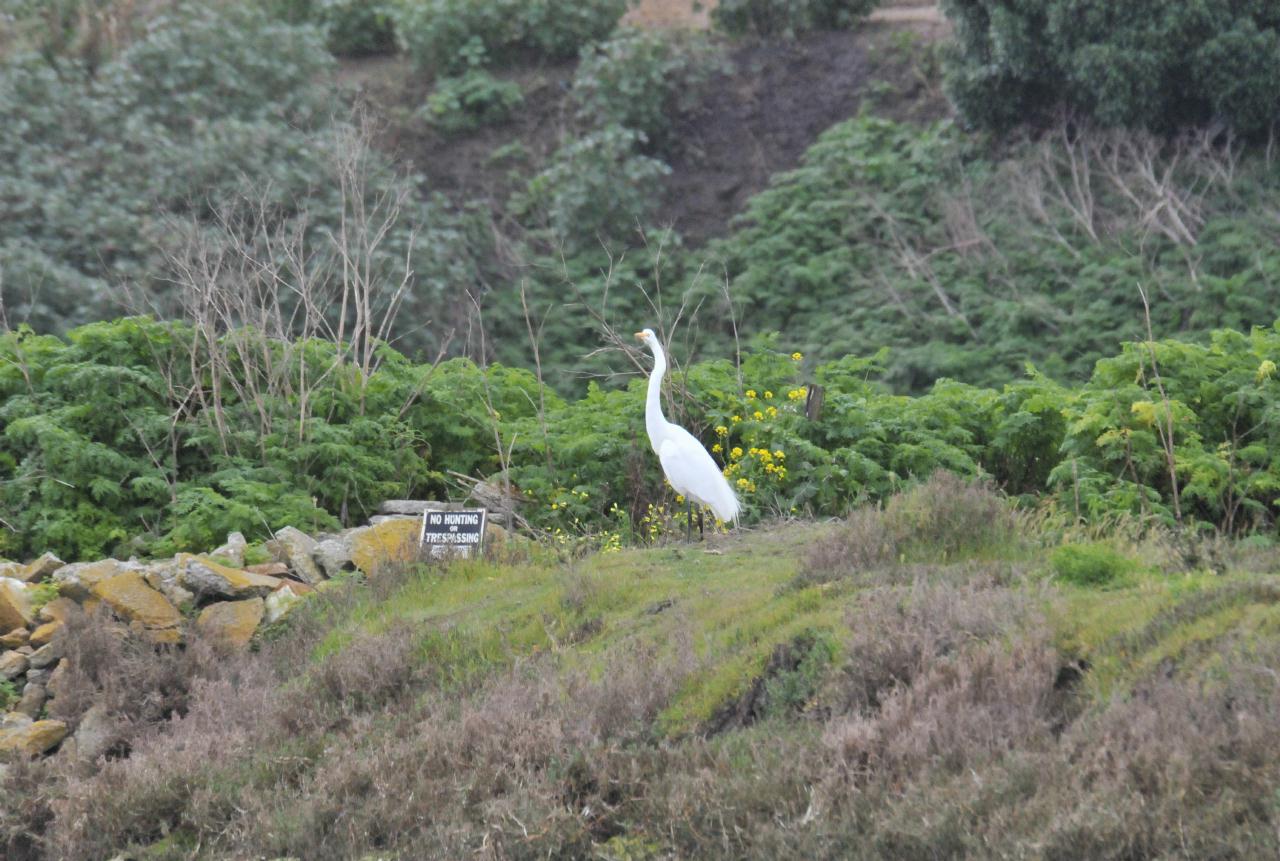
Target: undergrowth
696	701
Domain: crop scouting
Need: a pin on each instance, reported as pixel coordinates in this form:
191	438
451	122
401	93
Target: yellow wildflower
795	357
768	395
773	412
736	419
717	448
751	393
721	430
757	415
779	455
736	453
743	483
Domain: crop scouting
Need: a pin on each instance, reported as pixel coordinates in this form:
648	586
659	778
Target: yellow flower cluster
795	357
797	394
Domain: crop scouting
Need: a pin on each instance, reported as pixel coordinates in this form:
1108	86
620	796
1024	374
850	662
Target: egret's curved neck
653	417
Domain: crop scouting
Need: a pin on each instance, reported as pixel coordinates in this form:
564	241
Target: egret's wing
693	473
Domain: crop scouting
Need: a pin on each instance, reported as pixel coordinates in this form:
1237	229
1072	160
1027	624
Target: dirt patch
780	98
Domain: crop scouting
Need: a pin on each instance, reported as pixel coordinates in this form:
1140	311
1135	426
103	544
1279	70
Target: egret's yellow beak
640	335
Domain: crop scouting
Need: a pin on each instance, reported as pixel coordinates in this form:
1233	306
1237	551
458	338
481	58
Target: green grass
734	601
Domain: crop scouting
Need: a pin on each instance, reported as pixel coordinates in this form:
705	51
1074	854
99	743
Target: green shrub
471	100
596	188
351	27
1093	564
1148	63
767	17
9	694
438	33
644	80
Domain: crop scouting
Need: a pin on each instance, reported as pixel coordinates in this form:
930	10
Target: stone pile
216	594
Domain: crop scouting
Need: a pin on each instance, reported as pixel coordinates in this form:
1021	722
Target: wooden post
813	402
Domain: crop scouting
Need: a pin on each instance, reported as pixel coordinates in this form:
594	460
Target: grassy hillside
940	678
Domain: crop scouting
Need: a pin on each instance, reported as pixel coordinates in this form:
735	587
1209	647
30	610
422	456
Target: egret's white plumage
688	466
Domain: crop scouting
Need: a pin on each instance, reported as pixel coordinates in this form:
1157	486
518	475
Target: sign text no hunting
456	533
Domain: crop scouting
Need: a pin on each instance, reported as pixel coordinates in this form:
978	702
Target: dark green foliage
218	119
768	17
1095	564
644	81
439	34
101	453
890	235
598	188
351	27
471	100
1156	64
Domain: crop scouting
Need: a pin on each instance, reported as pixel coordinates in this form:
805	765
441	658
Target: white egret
688	466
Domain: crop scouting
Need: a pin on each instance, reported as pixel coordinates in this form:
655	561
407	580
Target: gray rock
233	550
293	546
33	698
415	506
165	578
95	735
37	677
12	665
209	579
333	555
47	656
383	518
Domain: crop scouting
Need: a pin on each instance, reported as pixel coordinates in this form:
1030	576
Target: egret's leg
688	520
702	535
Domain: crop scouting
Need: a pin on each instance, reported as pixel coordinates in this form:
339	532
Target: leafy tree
1148	63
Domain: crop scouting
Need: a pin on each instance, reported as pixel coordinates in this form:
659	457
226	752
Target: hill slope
915	682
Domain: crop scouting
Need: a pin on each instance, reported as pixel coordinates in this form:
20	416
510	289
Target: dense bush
470	100
891	235
351	27
767	17
219	121
439	33
644	81
1152	64
1095	564
597	188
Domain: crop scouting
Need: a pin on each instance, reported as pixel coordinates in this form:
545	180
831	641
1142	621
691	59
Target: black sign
453	533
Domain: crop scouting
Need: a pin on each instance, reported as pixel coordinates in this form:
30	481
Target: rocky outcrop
211	596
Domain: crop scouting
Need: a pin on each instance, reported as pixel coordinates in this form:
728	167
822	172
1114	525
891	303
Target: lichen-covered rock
415	507
12	665
42	635
15	604
77	580
393	541
294	547
280	603
129	596
233	551
232	623
15	638
209	579
31	738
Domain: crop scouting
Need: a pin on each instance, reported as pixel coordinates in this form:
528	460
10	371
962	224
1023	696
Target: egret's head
647	337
